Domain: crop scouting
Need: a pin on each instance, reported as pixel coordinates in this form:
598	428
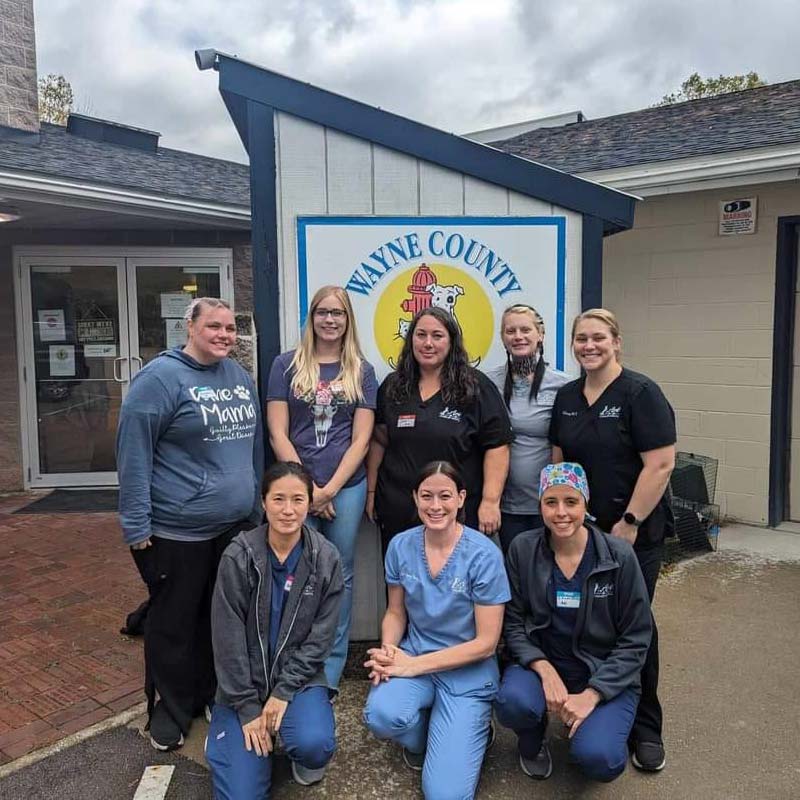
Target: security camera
206	59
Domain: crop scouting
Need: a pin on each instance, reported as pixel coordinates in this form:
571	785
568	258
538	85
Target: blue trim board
559	223
591	263
614	208
782	357
264	233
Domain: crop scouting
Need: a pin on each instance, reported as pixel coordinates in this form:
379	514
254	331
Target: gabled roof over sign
768	116
241	83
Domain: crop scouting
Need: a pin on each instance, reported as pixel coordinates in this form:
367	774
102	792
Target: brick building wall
696	311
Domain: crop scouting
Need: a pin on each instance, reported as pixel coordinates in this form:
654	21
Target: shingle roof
763	117
166	172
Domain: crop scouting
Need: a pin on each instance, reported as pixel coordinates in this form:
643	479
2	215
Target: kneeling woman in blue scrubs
435	675
273	618
578	628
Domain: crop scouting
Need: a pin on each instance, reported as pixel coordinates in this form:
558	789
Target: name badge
406	420
568	599
288	585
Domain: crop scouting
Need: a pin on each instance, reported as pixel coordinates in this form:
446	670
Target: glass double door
91	322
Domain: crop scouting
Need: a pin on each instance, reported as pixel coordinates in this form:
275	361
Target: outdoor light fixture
206	58
9	214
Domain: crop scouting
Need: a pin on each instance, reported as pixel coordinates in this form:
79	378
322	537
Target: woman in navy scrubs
435	406
578	626
620	427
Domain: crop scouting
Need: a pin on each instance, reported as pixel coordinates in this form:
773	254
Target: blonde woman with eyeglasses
320	413
528	385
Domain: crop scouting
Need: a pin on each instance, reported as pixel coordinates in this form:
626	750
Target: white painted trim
37	188
742	167
155	782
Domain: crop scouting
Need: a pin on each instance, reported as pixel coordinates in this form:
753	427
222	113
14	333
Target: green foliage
55	99
695	87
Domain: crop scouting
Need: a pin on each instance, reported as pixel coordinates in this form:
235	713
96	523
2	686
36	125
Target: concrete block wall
696	311
19	99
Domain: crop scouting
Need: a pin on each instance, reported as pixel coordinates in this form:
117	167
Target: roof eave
240	82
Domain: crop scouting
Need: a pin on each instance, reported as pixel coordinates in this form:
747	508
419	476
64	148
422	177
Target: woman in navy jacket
578	628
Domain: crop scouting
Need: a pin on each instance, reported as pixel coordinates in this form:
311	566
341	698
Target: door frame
786	258
125	259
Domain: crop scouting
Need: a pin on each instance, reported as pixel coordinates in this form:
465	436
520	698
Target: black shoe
164	731
649	756
541	767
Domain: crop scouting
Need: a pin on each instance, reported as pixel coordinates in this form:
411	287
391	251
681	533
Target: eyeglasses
336	313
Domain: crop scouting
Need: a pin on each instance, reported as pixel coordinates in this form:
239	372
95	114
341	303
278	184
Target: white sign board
173	304
62	360
51	325
737	216
100	351
474	267
175	333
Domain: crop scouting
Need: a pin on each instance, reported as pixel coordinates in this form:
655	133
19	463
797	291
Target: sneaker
305	776
207	712
649	756
540	767
414	760
164	731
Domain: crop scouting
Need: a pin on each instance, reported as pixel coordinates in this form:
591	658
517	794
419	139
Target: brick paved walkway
66	584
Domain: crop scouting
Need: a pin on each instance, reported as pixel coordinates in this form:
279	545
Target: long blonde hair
608	318
305	364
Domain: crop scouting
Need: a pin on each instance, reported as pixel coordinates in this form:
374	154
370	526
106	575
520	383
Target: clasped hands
571	709
322	503
259	734
389	661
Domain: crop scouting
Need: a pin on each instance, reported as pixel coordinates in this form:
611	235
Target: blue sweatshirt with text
189	450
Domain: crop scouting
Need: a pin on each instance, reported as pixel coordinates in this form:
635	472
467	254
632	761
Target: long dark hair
458	379
283	469
538	370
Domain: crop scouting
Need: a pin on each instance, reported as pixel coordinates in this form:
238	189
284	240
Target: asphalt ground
730	643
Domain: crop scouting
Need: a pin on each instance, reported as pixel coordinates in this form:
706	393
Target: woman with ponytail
529	387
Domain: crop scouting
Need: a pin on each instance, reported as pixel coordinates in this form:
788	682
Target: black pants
513	524
179	662
648	722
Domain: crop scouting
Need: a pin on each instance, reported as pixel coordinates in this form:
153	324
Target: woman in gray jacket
578	628
273	617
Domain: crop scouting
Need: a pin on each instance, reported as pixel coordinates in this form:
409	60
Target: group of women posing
431	456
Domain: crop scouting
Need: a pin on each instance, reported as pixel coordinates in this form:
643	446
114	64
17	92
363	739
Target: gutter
57	191
742	167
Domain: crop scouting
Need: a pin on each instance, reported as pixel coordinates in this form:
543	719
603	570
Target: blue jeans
452	730
342	532
308	734
599	746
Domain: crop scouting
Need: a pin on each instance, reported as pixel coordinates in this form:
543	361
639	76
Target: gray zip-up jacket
614	626
246	676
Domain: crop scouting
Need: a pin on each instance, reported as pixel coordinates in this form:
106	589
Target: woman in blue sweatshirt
189	457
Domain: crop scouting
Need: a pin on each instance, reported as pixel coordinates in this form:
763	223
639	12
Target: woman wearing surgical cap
577	628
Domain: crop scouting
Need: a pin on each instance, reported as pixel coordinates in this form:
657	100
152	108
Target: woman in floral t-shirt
320	412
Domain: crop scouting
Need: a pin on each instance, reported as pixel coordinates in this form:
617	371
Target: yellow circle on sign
433	284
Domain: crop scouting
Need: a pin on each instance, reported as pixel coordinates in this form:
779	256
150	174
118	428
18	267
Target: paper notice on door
100	351
173	304
62	360
51	325
176	332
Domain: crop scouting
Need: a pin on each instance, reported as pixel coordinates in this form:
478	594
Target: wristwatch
631	519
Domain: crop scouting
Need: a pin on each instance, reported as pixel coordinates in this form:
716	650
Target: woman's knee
448	784
599	760
384	721
516	704
314	748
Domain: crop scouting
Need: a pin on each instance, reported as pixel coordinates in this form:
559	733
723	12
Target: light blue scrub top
441	610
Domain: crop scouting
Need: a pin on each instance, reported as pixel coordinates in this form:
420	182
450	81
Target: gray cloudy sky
456	64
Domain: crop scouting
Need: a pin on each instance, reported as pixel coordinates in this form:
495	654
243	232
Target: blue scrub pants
600	745
342	532
452	730
308	736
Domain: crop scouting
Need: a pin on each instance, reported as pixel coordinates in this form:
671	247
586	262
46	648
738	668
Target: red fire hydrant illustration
420	297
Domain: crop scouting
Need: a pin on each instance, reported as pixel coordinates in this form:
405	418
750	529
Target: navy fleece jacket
189	450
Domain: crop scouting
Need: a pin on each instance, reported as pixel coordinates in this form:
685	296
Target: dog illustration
444	296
